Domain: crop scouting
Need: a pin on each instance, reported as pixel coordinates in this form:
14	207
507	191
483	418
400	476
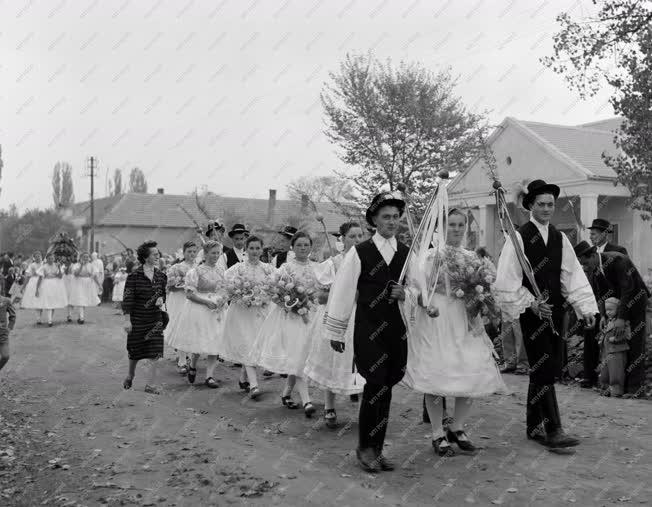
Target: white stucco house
569	156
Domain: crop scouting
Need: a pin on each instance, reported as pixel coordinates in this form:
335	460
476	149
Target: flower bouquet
470	280
220	299
248	292
294	294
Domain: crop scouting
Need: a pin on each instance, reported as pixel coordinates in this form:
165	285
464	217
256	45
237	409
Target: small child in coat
7	321
613	352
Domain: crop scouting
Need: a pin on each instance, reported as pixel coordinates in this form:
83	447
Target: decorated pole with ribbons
508	226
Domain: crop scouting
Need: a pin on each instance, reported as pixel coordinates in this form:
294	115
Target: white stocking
81	312
435	410
252	376
289	385
302	387
462	409
211	361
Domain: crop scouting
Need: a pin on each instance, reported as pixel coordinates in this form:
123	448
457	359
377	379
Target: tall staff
508	225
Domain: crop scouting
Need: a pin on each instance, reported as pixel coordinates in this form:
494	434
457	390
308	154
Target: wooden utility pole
92	163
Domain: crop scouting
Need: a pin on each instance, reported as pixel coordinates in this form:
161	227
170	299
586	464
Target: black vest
545	261
375	278
231	257
281	258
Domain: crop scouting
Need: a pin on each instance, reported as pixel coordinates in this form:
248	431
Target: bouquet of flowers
294	294
220	300
470	280
247	291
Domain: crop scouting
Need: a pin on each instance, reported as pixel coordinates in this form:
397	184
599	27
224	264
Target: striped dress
140	294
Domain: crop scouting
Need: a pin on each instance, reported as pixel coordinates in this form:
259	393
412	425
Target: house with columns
569	156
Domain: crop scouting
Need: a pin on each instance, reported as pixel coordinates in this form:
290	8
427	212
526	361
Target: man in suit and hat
561	279
599	232
283	253
613	274
372	269
238	235
599	235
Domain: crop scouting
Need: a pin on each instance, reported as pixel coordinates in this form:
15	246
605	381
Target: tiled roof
167	210
609	125
582	145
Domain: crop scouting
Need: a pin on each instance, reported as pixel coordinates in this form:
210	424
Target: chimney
271	206
160	191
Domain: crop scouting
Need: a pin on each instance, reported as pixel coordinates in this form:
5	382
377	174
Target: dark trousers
635	371
591	353
374	416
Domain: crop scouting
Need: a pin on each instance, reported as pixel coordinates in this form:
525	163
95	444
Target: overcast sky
226	93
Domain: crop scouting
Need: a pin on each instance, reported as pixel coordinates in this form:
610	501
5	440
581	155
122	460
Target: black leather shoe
458	437
561	439
442	447
385	464
368	460
537	437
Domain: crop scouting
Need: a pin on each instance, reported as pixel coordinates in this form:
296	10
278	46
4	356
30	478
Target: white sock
211	361
81	312
435	410
289	385
49	314
252	376
329	400
462	410
302	387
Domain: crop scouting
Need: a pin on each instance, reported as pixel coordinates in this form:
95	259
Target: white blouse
514	298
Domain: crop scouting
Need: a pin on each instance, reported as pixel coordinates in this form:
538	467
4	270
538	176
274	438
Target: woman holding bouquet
50	289
177	298
83	290
331	371
248	288
449	352
285	338
199	326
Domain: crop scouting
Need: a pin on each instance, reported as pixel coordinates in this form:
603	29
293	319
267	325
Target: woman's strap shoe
443	447
460	438
210	382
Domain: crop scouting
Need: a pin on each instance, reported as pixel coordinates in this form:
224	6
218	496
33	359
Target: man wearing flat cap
613	274
561	279
372	269
599	236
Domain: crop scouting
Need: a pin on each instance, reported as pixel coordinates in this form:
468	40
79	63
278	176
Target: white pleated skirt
52	294
83	292
174	302
197	329
29	295
240	331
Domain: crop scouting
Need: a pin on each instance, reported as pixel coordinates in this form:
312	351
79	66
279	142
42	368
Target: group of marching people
51	285
386	313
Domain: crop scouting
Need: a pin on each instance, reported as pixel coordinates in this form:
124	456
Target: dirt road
70	435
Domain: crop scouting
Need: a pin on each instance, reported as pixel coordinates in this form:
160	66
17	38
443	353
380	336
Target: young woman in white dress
200	324
50	289
449	356
83	291
243	322
29	294
177	298
284	340
330	370
68	278
119	280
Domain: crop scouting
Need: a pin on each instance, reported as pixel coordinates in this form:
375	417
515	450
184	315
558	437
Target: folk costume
176	300
379	341
235	255
83	289
282	257
326	368
242	323
29	294
51	289
561	278
119	280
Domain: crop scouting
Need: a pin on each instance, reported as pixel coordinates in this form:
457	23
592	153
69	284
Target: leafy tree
137	181
63	194
398	125
614	47
115	185
32	230
336	190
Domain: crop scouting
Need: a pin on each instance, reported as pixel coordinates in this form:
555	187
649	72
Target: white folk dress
119	280
29	295
328	369
446	357
52	292
176	298
284	340
83	289
198	329
243	323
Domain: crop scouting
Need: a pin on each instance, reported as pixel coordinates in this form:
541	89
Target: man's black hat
288	231
384	199
539	187
601	224
583	248
237	229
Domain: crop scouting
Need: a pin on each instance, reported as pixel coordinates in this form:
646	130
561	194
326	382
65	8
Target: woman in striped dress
144	297
177	298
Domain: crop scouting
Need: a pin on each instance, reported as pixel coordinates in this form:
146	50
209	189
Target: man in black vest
283	249
599	235
372	269
562	281
238	235
613	274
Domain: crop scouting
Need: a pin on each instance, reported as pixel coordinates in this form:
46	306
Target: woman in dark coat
144	296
